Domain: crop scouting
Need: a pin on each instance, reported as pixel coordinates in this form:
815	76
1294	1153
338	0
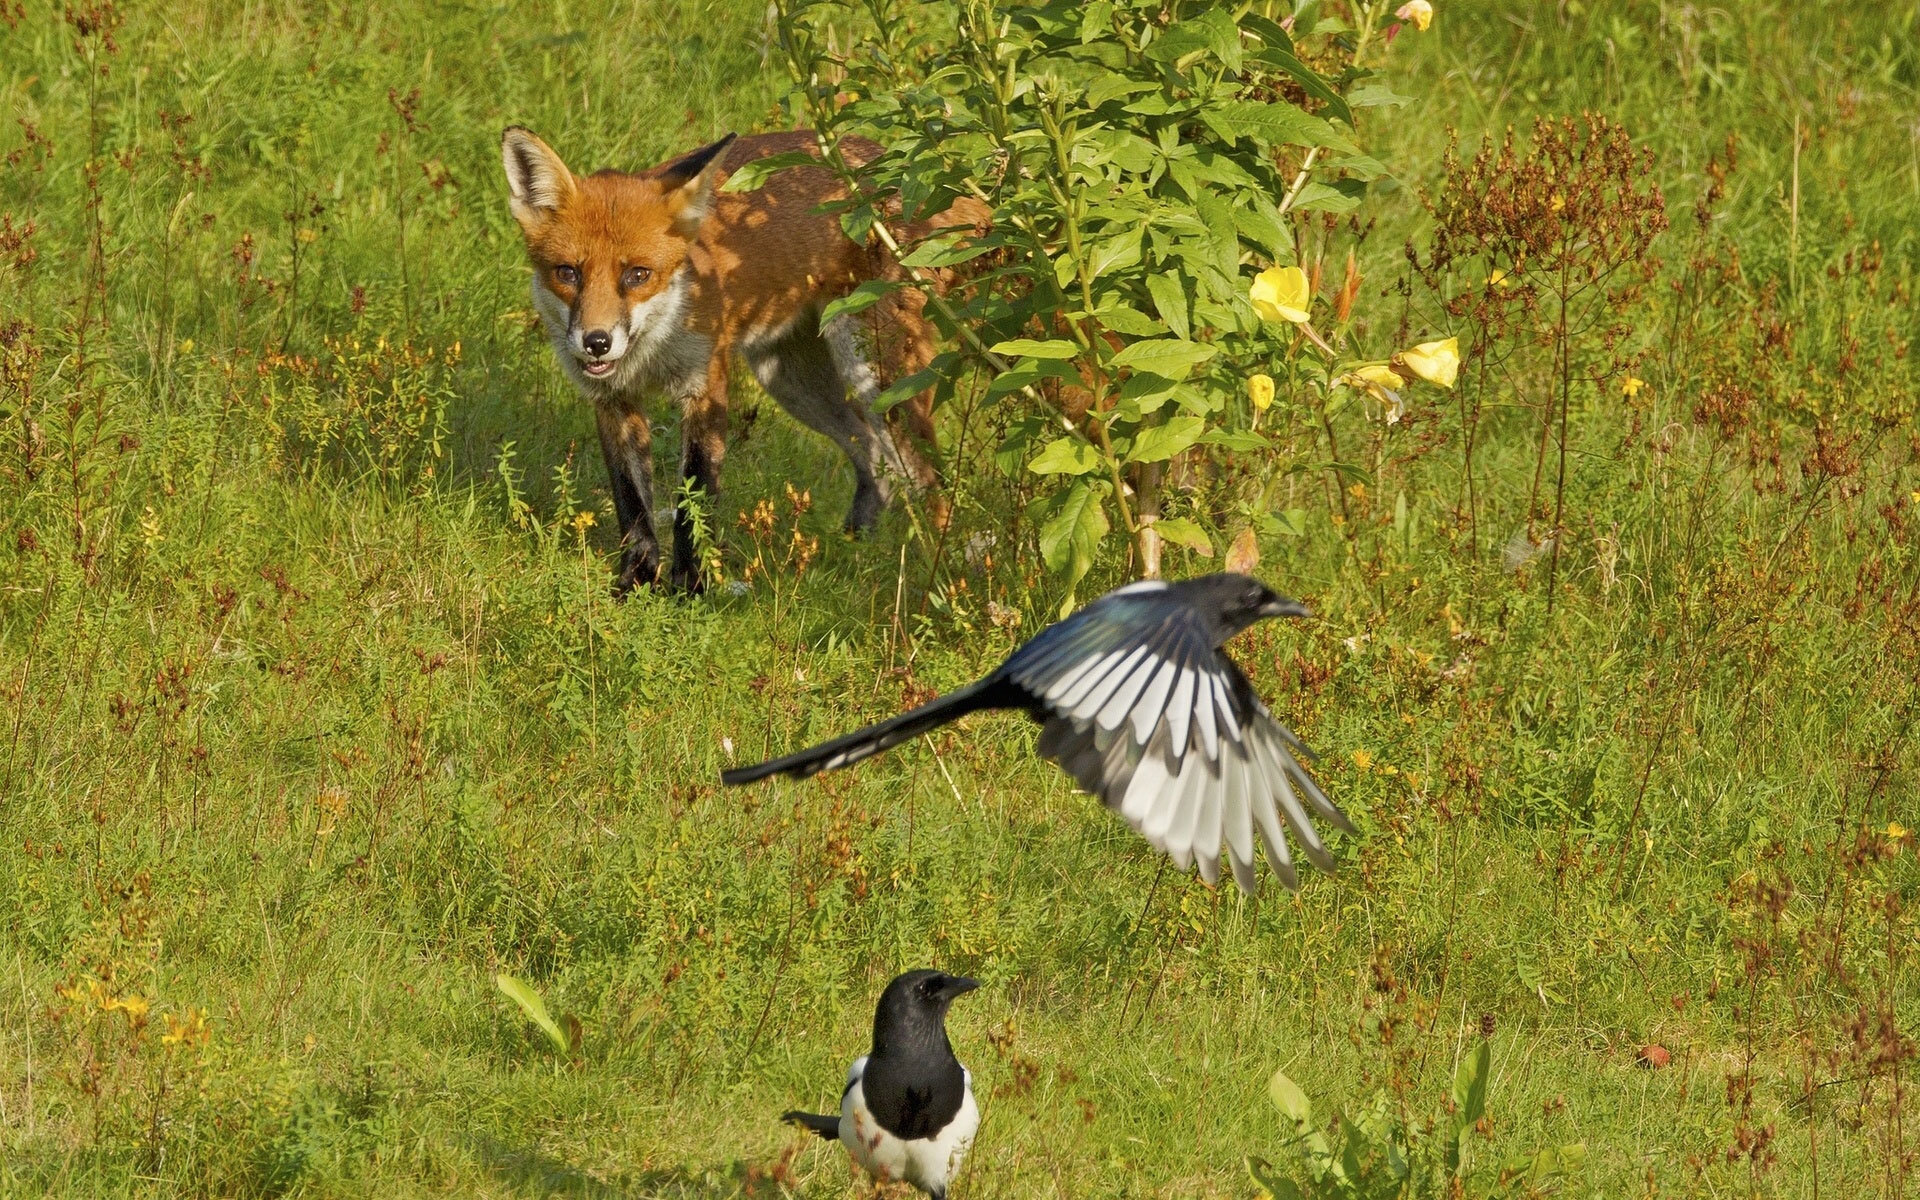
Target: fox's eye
634	277
566	275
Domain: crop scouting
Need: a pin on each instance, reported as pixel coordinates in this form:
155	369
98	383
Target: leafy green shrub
1142	160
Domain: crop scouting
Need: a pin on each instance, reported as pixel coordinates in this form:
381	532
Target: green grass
315	719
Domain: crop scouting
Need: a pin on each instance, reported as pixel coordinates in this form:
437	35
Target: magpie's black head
913	1010
1235	602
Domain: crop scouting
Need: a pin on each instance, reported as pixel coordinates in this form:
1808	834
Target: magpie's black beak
957	985
1280	606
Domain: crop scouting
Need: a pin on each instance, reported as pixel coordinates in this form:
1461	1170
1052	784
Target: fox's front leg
703	443
626	442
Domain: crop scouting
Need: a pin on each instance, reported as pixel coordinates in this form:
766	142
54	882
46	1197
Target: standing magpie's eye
634	277
566	275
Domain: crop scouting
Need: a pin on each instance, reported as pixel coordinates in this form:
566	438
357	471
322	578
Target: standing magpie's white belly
926	1163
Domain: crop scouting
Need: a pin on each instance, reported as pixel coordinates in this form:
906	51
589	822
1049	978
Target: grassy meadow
318	713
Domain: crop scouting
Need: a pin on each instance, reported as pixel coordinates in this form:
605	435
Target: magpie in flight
1137	701
907	1112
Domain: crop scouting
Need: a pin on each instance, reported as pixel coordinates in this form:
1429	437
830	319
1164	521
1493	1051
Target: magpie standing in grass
907	1112
1137	701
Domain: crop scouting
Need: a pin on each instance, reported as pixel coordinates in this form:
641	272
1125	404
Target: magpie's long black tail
826	1127
991	692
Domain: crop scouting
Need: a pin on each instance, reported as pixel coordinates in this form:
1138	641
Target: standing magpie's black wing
1140	706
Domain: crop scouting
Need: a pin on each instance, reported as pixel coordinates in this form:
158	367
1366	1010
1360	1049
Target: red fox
651	281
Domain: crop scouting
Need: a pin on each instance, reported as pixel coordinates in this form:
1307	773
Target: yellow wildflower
1260	392
1383	384
1898	832
1497	279
1420	12
1281	294
1362	759
1436	362
1631	385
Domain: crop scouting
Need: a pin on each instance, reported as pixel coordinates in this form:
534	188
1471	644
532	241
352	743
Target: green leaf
1276	1185
1157	443
1170	358
859	299
1376	95
1072	534
1011	455
1289	522
1241	441
1342	195
752	175
947	250
1066	456
1026	372
1268	31
536	1009
1170	301
1095	22
1028	348
1308	78
1281	123
905	388
1130	321
1290	1100
1470	1085
1182	532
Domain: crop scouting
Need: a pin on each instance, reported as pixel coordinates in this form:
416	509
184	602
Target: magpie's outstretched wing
1140	706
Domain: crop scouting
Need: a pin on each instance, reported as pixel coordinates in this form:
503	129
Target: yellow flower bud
1280	294
1260	392
1436	362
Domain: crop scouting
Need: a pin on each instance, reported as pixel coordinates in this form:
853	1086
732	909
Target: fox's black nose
598	342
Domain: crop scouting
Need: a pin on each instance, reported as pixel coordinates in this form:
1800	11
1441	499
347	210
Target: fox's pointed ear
536	177
688	184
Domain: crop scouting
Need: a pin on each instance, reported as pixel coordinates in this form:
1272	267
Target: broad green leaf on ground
535	1009
1289	1099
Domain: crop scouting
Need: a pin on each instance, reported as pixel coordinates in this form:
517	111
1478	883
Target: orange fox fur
650	282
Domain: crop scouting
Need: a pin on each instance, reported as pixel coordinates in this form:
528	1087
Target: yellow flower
1631	385
1362	759
1497	279
134	1005
1418	11
1383	384
1260	392
1436	362
1376	376
1558	202
1280	294
1897	831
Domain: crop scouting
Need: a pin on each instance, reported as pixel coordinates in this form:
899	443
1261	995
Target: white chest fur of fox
649	283
926	1163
